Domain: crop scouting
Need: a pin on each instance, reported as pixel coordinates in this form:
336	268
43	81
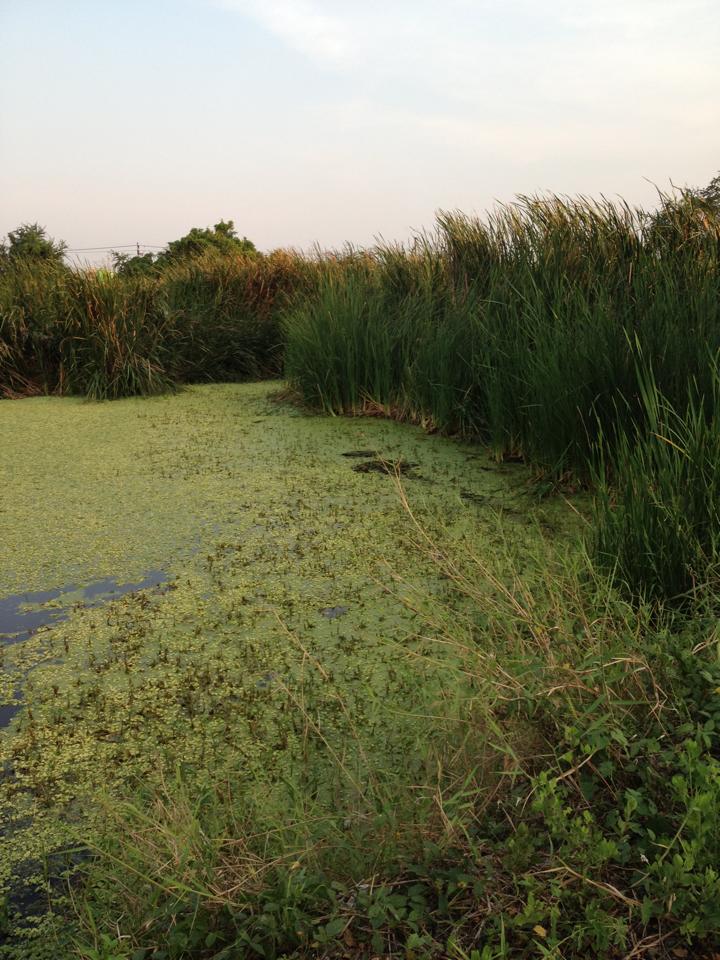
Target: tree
222	239
133	266
30	242
711	193
199	240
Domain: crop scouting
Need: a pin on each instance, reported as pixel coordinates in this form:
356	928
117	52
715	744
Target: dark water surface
18	624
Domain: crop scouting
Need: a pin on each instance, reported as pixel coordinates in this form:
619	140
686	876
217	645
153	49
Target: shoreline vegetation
513	749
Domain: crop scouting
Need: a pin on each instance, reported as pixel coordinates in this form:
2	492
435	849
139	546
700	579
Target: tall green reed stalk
115	339
345	341
515	329
657	501
102	335
225	313
31	305
534	330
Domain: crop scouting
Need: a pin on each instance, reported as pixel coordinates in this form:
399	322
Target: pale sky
342	120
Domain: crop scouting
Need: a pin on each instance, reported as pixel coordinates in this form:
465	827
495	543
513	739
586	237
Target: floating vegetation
24	614
259	527
361	714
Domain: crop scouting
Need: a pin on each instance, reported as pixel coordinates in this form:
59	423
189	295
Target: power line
116	246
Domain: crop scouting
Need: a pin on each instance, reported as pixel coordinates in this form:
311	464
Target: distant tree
690	212
133	266
31	242
711	193
222	238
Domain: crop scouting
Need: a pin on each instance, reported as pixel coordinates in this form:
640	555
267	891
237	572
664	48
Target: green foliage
657	514
519	330
31	303
583	338
225	311
711	193
344	343
142	330
126	265
221	239
30	243
531	332
115	338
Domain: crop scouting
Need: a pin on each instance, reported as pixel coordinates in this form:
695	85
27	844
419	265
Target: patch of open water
23	614
17	624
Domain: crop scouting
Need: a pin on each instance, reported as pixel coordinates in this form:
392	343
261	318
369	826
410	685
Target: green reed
526	330
103	335
657	505
515	329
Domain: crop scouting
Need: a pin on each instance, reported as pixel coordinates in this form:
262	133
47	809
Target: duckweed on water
278	557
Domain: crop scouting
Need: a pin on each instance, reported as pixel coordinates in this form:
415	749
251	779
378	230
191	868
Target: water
18	624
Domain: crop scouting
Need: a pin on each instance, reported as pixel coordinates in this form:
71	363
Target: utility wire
116	246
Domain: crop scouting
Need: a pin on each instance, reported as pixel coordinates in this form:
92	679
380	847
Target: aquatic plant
520	329
521	763
527	330
657	496
31	302
561	799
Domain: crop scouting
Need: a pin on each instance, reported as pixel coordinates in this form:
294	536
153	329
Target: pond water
22	614
178	573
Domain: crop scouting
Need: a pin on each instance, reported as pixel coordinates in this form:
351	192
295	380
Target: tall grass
346	346
517	329
101	335
115	339
563	800
525	330
31	303
530	330
224	313
658	496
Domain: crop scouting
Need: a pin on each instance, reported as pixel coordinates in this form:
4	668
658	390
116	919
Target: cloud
302	25
441	43
647	16
510	61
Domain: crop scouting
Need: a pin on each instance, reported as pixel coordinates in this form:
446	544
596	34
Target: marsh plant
556	331
656	494
104	335
521	329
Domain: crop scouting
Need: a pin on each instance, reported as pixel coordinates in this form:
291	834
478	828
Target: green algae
257	517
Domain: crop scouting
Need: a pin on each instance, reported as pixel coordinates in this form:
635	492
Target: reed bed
104	335
522	330
31	303
555	330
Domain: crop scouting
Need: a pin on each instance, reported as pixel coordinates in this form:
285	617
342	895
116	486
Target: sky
331	121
